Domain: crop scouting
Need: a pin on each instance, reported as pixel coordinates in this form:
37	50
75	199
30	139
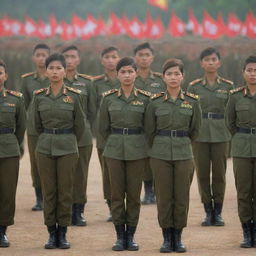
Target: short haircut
41	46
250	59
2	64
55	57
71	47
142	47
108	50
170	63
209	51
126	61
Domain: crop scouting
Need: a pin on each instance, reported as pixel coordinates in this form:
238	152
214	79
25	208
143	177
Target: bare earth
28	235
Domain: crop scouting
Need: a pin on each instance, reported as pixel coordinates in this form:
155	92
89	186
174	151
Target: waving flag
162	4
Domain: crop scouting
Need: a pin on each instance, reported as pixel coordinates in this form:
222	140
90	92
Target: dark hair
143	46
71	47
55	57
170	63
41	46
108	50
209	51
2	64
126	61
250	59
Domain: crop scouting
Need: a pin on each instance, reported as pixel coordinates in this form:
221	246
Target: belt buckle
54	130
253	130
209	115
125	131
173	133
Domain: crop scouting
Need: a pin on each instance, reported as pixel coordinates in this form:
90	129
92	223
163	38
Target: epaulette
196	81
192	95
28	74
156	95
17	94
106	93
226	81
40	90
144	92
73	89
95	78
85	76
237	89
158	74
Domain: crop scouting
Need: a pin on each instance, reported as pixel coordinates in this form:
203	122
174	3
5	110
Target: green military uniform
59	121
211	146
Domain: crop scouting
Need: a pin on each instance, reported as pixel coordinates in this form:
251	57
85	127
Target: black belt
173	133
127	131
211	115
6	130
247	130
58	131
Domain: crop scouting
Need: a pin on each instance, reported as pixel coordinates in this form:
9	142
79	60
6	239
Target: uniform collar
64	90
218	80
4	92
151	75
180	96
36	76
120	92
74	78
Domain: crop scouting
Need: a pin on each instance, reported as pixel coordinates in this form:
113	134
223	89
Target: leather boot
247	242
3	237
120	244
167	244
39	200
149	194
79	215
52	242
218	221
62	241
208	220
109	219
131	244
178	245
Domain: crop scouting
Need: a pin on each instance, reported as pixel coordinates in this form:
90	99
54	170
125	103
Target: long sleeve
150	123
79	119
104	120
20	122
230	115
196	121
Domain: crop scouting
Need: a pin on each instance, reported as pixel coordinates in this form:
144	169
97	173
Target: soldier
121	123
83	83
241	122
30	82
12	129
152	82
211	147
103	83
173	119
59	121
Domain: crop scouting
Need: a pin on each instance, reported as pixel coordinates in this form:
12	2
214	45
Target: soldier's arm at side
36	120
230	115
79	118
196	121
91	103
20	122
150	123
25	93
104	120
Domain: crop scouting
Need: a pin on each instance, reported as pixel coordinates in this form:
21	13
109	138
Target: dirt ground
28	235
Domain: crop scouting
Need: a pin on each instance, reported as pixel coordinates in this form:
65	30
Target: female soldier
12	129
121	125
241	121
59	121
173	119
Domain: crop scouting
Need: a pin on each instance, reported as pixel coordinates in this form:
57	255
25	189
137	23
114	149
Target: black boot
120	244
253	233
3	238
178	245
131	244
208	220
39	200
109	219
62	241
218	221
78	218
167	244
247	242
149	196
52	242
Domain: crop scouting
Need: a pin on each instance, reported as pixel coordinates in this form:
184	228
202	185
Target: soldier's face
249	74
126	75
173	77
109	60
3	76
55	71
144	58
39	57
210	63
72	59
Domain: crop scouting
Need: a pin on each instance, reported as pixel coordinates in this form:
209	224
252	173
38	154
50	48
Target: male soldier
149	81
103	83
211	147
82	82
30	82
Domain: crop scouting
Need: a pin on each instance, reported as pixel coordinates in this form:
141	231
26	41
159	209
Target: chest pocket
222	95
137	109
243	112
67	106
186	111
7	109
44	108
162	112
7	115
115	108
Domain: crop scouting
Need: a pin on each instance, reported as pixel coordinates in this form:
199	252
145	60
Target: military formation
149	130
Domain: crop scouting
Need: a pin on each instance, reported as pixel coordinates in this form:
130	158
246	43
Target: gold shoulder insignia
95	78
40	90
156	95
158	74
85	76
196	81
226	81
28	74
73	90
15	93
106	93
144	92
192	95
237	89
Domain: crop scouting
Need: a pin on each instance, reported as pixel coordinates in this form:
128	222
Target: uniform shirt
153	83
117	111
213	99
164	113
29	83
63	111
100	85
241	113
83	83
12	116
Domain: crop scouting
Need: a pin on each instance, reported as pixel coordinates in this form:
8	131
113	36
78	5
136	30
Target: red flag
67	31
234	26
154	28
162	4
6	26
116	26
77	24
89	28
177	27
134	27
193	24
211	27
30	27
250	25
53	24
222	26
